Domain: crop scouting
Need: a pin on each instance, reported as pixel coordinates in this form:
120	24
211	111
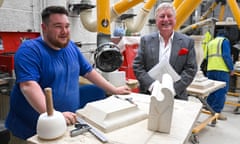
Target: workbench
202	94
185	114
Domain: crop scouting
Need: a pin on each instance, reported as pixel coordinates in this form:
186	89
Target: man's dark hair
52	10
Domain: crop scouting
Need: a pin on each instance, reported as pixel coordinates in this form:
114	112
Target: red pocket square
183	51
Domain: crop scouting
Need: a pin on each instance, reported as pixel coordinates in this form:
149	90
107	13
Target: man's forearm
34	95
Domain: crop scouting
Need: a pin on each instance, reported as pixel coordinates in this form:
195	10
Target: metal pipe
103	22
235	11
124	5
210	10
107	56
88	21
221	13
103	16
184	11
209	21
118	8
135	25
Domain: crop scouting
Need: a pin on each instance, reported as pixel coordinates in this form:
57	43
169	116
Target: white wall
17	15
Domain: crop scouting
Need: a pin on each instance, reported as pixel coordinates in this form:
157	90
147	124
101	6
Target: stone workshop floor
224	132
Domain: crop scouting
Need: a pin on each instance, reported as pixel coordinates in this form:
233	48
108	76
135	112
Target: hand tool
92	130
80	129
129	99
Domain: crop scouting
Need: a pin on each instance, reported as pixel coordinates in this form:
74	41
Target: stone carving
112	113
200	81
161	105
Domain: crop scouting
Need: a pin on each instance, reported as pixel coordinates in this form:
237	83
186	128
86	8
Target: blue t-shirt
57	69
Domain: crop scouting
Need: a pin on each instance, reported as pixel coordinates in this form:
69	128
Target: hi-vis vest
214	54
207	38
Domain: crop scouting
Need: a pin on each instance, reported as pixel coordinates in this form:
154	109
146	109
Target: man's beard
59	44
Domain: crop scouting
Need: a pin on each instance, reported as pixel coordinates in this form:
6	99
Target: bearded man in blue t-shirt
51	61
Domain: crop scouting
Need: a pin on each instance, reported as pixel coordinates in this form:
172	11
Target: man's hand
122	90
71	118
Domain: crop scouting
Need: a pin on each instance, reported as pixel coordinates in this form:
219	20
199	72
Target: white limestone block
112	113
202	84
161	106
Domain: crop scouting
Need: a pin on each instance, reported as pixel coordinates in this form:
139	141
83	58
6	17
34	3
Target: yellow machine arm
176	3
184	9
235	11
103	14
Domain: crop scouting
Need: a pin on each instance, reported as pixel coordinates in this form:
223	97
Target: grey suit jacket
148	56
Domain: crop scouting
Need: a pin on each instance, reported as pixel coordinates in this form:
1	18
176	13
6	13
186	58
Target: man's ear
43	26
